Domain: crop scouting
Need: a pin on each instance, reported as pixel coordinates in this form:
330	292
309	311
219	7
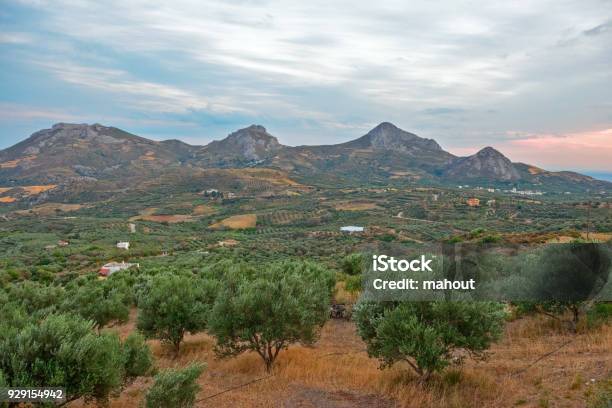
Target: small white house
351	228
123	245
113	267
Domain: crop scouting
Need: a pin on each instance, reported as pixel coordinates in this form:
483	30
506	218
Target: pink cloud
581	151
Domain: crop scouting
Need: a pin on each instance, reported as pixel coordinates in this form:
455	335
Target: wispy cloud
324	71
151	95
18	112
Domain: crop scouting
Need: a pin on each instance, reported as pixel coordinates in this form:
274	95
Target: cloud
150	95
581	150
325	71
17	112
15	38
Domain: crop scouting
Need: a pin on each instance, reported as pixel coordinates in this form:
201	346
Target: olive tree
64	351
174	388
424	334
284	303
173	305
102	302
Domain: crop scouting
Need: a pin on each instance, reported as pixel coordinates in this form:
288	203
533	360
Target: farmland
180	230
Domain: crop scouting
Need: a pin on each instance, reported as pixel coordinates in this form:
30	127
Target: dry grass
237	222
598	236
203	210
356	206
271	176
337	371
33	190
148	156
343	296
7	199
172	219
50	209
14	163
149	214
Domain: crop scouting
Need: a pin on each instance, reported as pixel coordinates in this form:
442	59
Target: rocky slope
68	151
386	154
244	147
487	164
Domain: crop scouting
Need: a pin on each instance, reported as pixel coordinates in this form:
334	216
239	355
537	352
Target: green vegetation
64	351
175	388
282	304
172	305
424	334
257	290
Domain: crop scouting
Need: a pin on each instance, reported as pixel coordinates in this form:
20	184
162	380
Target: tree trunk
177	348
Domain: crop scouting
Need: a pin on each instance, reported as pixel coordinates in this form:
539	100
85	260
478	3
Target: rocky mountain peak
490	152
387	136
486	163
251	143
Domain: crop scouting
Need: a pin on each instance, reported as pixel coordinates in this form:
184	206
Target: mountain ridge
67	151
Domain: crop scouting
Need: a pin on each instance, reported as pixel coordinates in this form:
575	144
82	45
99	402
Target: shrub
63	350
353	284
424	334
175	388
598	314
137	356
353	264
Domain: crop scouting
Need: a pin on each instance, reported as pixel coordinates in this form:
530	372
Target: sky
530	78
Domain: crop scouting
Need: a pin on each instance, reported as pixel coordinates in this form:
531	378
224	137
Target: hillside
107	158
69	151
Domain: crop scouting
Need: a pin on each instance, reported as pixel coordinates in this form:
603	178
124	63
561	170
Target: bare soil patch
237	222
356	206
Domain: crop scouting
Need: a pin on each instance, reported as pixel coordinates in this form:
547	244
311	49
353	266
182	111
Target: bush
424	334
63	351
353	284
285	303
175	388
137	356
600	313
353	264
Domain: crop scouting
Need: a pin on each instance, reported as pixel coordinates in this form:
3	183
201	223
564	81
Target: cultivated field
237	222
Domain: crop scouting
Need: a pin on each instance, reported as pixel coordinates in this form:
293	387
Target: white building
123	245
351	228
113	267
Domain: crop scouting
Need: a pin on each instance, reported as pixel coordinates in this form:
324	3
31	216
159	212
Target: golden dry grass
50	208
237	222
355	206
203	210
7	199
598	236
172	219
14	163
343	296
149	214
337	370
33	190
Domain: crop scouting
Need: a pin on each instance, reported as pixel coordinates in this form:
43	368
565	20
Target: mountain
387	136
243	147
68	151
68	154
487	164
385	152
